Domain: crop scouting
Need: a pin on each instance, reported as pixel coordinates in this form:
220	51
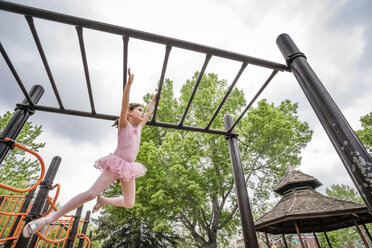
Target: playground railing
14	211
10	209
13	143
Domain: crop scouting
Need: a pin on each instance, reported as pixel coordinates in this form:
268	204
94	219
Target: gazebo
304	210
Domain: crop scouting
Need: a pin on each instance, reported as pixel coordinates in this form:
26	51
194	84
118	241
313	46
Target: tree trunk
211	245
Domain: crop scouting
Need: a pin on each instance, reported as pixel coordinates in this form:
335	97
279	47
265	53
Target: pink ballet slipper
34	226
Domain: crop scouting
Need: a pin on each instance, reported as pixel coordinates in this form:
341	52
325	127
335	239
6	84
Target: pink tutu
122	169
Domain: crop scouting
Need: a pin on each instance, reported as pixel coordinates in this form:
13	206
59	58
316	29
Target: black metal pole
35	237
24	208
354	156
316	239
84	229
18	120
45	187
369	235
249	231
326	236
74	229
285	241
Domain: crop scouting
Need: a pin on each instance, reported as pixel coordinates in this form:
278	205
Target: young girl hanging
119	165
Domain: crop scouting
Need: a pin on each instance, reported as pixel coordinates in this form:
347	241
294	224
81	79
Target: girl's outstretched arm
125	102
148	111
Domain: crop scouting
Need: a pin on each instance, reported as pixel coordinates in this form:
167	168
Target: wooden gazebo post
361	234
326	236
285	241
369	235
267	240
299	235
316	239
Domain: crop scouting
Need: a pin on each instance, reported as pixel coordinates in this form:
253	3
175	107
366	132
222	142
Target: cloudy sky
336	37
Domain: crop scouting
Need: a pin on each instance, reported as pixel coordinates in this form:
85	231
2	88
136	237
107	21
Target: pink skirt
122	169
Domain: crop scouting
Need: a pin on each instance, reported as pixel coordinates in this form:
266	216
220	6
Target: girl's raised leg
127	200
104	180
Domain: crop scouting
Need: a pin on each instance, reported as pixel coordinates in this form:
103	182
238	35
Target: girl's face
136	114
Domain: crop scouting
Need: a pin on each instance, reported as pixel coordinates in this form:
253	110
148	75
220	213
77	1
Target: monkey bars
80	24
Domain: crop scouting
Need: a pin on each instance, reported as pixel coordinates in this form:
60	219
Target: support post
299	236
285	241
361	234
326	236
316	239
354	156
249	231
369	235
84	229
74	229
16	123
267	240
24	209
40	199
35	238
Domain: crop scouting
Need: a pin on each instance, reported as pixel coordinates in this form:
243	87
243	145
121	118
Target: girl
119	165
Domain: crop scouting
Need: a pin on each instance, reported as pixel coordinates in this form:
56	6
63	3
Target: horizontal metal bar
244	65
30	22
69	112
254	98
79	31
114	117
109	28
207	58
165	63
15	74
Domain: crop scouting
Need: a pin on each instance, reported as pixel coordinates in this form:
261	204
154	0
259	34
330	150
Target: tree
17	170
344	192
189	187
365	135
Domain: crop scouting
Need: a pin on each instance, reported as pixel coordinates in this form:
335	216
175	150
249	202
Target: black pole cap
288	48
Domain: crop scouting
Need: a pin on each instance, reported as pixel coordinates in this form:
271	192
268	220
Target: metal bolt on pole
249	231
18	120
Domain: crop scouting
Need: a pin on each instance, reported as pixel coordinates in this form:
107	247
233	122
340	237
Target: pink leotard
122	161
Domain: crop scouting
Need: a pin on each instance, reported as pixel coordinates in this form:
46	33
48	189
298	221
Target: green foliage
18	170
365	135
347	235
344	192
188	191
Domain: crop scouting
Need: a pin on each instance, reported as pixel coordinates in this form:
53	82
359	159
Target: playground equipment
354	156
16	211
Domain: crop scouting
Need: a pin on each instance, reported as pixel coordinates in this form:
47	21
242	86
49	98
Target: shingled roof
295	178
312	211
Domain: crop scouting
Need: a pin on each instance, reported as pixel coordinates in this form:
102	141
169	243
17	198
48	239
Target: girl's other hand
155	97
131	76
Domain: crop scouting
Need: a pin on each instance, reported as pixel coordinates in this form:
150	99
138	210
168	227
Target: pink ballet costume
122	161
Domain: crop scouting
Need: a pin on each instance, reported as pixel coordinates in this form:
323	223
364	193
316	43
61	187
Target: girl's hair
134	105
131	107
